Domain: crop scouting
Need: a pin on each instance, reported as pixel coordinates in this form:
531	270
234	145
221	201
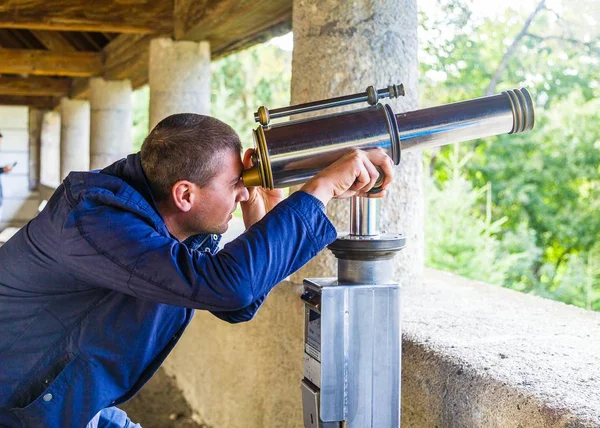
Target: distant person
4	170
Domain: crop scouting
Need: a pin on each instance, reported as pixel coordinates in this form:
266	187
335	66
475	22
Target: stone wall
475	355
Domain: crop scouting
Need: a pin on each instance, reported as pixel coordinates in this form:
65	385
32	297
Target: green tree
544	182
242	82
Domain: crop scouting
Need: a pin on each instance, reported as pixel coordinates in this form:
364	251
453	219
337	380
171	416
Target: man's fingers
363	178
379	158
247	161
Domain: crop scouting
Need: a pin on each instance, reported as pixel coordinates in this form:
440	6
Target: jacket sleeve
241	315
107	246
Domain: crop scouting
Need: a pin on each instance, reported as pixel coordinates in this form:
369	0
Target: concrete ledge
476	355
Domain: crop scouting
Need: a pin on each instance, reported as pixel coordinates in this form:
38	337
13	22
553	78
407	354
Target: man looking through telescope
97	289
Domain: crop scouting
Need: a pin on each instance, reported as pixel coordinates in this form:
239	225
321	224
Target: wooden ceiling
49	49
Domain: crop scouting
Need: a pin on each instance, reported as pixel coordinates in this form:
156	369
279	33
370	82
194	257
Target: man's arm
355	173
105	246
6	169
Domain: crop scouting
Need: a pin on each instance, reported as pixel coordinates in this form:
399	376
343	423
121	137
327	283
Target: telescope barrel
510	112
291	153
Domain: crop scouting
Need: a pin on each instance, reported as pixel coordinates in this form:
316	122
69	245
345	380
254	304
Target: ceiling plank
38	62
80	88
230	25
131	16
8	40
34	86
37	102
53	40
127	58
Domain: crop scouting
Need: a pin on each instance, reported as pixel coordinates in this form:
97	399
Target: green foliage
242	82
546	183
141	110
459	237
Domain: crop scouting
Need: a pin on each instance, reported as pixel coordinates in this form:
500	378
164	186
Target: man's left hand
260	201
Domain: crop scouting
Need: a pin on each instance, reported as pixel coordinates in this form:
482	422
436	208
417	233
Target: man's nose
243	195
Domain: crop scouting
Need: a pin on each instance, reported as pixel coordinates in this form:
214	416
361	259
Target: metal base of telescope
353	340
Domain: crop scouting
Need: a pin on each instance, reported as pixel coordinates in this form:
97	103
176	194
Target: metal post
364	216
353	340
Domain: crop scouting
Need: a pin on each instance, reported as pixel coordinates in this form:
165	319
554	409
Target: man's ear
183	195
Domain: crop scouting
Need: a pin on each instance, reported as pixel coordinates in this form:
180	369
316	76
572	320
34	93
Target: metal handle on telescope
377	186
371	95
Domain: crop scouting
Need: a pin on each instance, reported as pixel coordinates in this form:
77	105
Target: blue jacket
95	292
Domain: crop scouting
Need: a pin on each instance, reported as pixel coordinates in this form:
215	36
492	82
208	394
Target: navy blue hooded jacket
95	292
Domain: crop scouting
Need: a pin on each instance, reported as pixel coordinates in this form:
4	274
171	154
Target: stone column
179	78
341	48
74	136
111	121
50	149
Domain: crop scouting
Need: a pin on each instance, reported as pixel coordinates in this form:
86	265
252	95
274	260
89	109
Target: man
4	170
97	289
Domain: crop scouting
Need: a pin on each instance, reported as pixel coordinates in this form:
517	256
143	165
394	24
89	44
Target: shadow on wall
160	404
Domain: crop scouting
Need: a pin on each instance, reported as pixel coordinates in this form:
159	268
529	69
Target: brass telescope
290	153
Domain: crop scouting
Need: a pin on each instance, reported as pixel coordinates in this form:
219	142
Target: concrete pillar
74	136
179	78
50	149
111	121
341	48
35	134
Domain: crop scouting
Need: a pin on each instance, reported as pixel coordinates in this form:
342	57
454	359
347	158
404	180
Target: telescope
352	334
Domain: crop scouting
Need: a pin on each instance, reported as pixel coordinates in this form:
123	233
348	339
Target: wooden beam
53	40
34	86
37	102
80	88
127	58
37	62
230	25
131	16
8	40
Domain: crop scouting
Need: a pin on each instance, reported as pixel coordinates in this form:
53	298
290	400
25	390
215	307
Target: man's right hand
7	168
352	175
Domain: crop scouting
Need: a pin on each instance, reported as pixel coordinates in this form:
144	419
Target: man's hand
260	201
352	175
7	168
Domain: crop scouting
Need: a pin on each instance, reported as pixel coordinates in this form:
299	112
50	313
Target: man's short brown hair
185	146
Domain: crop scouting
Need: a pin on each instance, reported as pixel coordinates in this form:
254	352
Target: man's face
215	202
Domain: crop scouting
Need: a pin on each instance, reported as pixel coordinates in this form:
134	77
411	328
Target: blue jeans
112	417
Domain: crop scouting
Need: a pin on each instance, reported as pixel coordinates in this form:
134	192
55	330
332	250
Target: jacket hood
121	184
127	181
130	170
